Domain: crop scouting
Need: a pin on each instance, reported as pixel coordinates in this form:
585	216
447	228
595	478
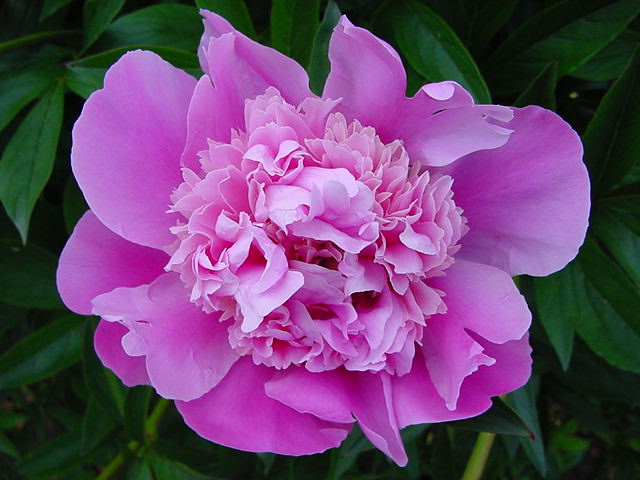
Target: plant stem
479	456
151	433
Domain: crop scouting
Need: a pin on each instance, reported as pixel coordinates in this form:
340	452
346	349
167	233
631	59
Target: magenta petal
483	299
451	355
243	69
108	344
335	395
187	351
237	413
416	400
511	370
209	117
96	260
367	74
527	202
127	144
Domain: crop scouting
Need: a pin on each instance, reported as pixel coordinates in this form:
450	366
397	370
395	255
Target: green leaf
500	418
96	17
612	228
164	468
136	404
20	87
50	7
610	62
43	353
568	32
84	81
27	161
611	282
319	65
542	89
7	447
74	204
167	25
294	24
53	458
96	426
523	401
11	419
433	49
597	322
557	312
28	276
235	11
475	22
612	139
105	388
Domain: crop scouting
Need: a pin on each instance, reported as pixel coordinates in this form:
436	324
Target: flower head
290	264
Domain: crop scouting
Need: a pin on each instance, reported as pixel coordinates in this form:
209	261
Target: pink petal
336	394
511	370
485	300
210	116
450	355
107	342
237	413
243	69
95	260
367	74
187	351
417	401
527	202
127	144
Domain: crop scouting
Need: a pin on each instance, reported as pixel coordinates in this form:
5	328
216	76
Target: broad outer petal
237	413
417	401
127	145
337	395
187	351
243	68
107	342
367	74
95	260
527	202
483	299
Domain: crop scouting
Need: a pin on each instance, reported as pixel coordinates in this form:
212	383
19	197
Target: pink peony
283	265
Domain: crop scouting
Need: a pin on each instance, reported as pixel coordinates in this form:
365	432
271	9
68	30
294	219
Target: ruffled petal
187	351
237	413
127	145
337	395
95	260
242	68
483	299
527	203
107	342
367	74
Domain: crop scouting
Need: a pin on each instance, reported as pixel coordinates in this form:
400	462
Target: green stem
479	456
151	434
39	37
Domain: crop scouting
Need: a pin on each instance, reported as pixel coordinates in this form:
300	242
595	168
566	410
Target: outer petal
417	401
238	414
527	202
243	68
95	260
367	74
483	299
337	395
127	144
108	344
187	351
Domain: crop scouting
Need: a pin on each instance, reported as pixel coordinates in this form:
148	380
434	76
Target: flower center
315	239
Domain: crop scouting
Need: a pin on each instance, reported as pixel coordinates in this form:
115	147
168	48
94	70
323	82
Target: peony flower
284	265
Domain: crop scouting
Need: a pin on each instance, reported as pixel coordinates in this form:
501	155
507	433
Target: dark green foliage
65	416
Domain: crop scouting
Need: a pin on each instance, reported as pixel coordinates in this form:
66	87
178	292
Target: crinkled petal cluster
289	264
